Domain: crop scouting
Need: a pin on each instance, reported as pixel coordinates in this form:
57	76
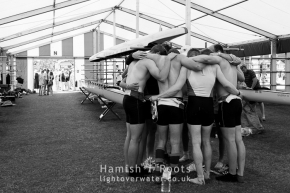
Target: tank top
201	83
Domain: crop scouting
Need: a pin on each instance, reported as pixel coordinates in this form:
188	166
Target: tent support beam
229	19
149	18
30	31
51	35
40	11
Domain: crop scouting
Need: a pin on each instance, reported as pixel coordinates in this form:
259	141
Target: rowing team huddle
187	86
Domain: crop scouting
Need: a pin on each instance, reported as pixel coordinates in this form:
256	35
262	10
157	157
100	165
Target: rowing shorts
230	113
200	110
170	113
147	110
134	109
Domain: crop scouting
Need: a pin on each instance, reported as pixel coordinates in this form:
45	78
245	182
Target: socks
159	155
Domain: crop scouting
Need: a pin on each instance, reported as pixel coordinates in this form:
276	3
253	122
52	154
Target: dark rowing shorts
147	110
230	113
168	115
200	111
134	109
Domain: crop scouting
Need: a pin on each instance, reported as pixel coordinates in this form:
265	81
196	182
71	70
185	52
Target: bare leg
151	137
207	151
162	133
222	146
142	146
230	142
195	132
126	145
175	137
241	151
133	151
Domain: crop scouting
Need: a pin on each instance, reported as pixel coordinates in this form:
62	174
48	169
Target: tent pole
187	21
137	18
273	66
287	75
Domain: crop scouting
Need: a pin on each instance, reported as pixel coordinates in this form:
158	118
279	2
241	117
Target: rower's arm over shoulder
177	86
190	64
207	59
160	75
232	59
223	81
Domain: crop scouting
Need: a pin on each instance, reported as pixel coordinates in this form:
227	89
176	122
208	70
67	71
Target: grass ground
55	144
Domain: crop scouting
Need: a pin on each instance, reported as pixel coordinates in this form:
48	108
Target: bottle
166	180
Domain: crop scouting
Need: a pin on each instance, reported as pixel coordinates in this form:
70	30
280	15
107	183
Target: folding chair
87	94
109	105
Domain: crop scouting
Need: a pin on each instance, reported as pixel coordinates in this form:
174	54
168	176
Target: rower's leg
126	145
133	150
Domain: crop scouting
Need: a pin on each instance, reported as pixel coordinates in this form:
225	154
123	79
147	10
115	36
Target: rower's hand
153	98
171	55
133	86
139	55
241	95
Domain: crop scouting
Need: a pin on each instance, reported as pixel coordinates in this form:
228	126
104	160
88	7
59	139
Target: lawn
55	144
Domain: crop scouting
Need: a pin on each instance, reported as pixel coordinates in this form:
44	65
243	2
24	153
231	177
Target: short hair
193	52
218	48
174	51
167	45
51	73
158	48
206	51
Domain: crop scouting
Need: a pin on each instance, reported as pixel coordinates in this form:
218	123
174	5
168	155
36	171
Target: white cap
184	49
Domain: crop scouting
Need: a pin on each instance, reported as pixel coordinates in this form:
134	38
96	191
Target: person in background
66	74
253	83
62	77
41	83
45	81
50	83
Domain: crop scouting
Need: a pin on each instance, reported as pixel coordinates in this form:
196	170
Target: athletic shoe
218	165
191	167
227	178
240	179
222	168
183	158
199	180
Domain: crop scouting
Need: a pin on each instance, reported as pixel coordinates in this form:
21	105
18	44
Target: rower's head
216	48
193	52
244	68
167	45
158	49
173	50
206	51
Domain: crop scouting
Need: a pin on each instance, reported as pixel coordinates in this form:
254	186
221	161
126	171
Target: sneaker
240	179
198	180
183	158
218	165
227	178
191	167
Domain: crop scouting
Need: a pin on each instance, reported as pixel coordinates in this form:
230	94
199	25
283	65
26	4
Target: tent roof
225	21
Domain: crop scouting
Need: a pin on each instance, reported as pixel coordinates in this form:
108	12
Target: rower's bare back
138	73
174	73
230	72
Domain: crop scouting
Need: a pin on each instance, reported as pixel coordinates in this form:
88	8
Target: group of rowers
183	101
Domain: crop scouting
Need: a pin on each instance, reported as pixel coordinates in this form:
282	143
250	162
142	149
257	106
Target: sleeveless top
201	83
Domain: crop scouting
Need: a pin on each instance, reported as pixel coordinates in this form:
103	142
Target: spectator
45	81
253	83
50	84
41	83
